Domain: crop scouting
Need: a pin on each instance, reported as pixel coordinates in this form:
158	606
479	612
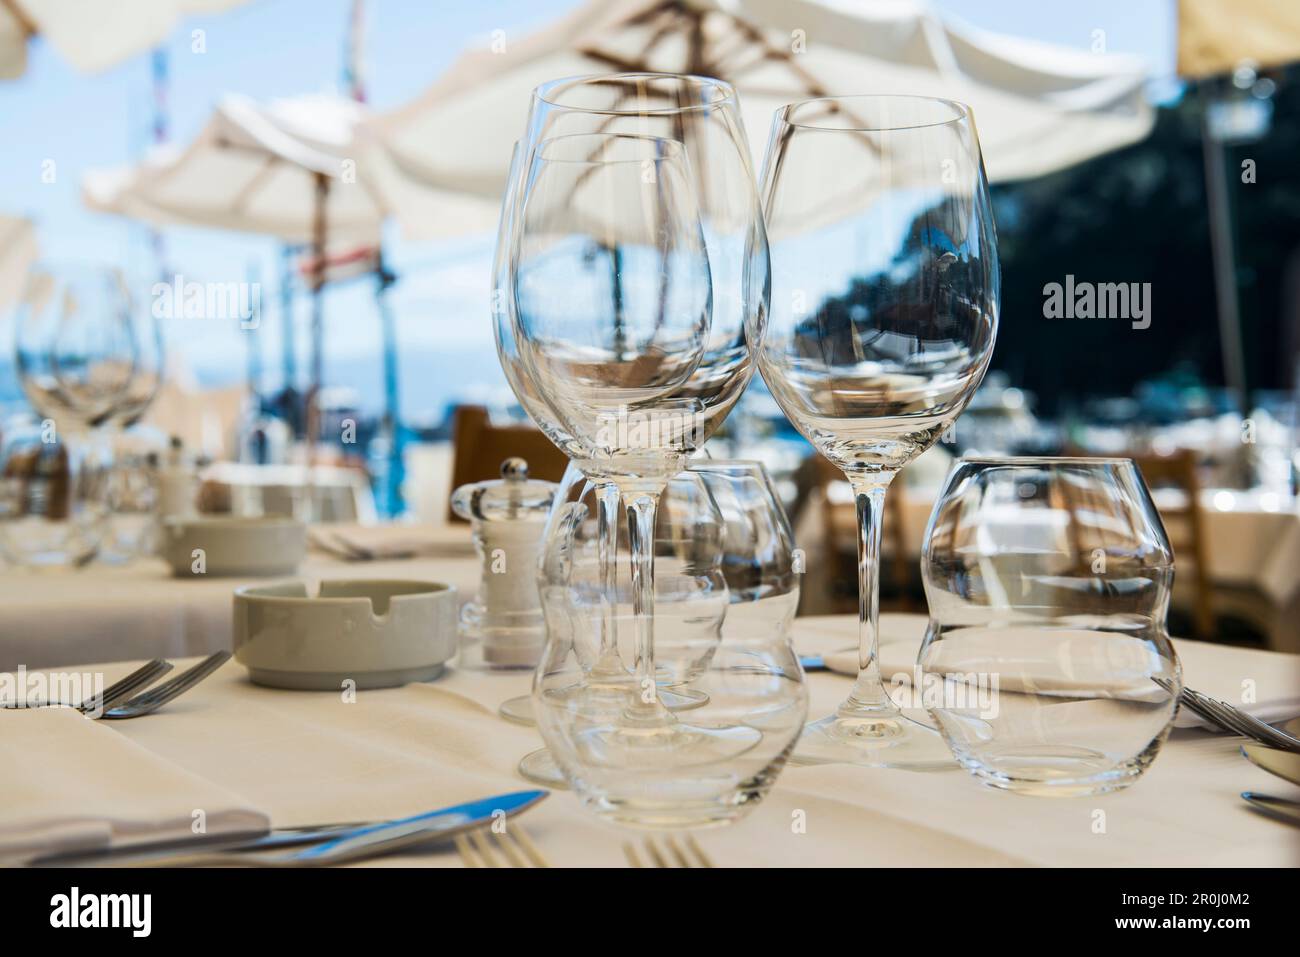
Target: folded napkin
1261	683
384	542
78	785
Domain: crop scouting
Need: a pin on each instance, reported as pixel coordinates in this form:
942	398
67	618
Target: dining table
305	757
140	609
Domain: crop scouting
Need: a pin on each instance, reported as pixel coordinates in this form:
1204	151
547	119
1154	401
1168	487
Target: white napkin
75	784
386	542
1269	691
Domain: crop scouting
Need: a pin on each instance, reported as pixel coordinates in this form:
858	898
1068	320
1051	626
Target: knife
327	845
1279	808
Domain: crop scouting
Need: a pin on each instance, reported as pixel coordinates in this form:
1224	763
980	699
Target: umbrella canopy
1214	36
17	253
254	168
91	36
1039	108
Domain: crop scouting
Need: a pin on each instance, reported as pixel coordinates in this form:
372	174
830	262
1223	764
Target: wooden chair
479	448
1187	534
840	539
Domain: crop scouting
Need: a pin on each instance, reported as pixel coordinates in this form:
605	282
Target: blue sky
273	48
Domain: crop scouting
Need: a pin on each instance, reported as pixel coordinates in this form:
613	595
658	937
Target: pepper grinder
503	626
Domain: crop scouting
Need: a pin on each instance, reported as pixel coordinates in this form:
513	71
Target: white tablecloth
308	757
139	611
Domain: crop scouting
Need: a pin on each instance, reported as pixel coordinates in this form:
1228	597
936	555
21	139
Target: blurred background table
114	613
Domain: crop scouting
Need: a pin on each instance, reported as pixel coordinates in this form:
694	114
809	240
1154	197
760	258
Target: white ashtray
375	633
221	546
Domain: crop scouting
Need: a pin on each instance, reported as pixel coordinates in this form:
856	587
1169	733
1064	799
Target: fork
140	678
1233	720
683	853
514	844
153	699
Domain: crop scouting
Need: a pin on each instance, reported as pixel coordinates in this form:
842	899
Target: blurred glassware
885	291
137	449
747	690
73	345
1048	581
53	495
75	357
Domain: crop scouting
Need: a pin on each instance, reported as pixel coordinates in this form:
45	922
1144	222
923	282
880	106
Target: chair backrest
1187	536
480	447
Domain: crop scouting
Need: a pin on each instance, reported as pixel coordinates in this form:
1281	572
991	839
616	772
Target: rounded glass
885	290
1046	663
746	694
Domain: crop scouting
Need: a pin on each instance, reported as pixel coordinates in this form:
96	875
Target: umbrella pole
1225	265
392	427
317	340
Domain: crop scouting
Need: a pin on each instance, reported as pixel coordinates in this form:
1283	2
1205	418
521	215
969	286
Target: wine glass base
539	767
892	740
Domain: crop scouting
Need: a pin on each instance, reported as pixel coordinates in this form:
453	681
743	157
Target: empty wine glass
73	346
1046	662
884	299
613	297
74	358
137	449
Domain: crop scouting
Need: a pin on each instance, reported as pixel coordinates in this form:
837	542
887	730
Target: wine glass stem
869	697
641	507
609	505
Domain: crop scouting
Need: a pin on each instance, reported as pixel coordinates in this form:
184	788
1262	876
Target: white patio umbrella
1039	107
284	169
92	35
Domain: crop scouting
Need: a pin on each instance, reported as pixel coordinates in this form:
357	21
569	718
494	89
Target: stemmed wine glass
613	299
623	113
885	288
74	361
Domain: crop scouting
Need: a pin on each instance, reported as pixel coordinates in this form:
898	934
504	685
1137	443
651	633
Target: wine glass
613	294
73	347
1046	661
703	115
885	289
74	360
136	450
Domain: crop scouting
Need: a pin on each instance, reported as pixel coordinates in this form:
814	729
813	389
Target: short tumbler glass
1046	664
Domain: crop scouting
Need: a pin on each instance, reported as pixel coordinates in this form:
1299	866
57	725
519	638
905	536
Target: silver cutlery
324	845
673	853
481	847
1283	764
153	699
117	691
1279	809
1233	720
